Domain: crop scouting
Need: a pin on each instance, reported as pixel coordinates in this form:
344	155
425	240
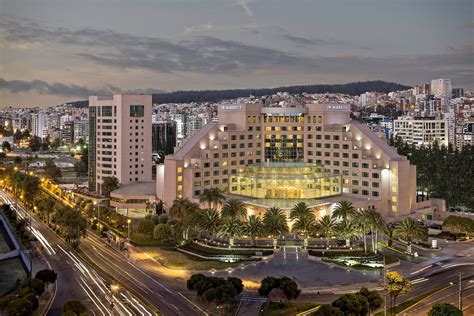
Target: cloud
212	56
60	89
245	5
199	28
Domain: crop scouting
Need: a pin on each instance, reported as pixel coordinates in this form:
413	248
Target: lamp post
113	288
98	213
129	221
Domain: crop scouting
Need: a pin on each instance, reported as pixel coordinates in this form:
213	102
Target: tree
210	222
287	285
376	224
301	209
304	224
360	218
215	289
234	208
18	160
52	171
75	307
352	304
182	207
109	184
326	226
35	284
373	297
343	210
328	309
35	143
274	223
46	275
347	230
146	227
6	146
70	224
277	295
232	227
212	196
19	307
457	224
253	227
396	285
163	233
409	229
444	309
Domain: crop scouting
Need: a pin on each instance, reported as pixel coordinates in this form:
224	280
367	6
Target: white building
421	131
441	88
81	130
119	139
37	124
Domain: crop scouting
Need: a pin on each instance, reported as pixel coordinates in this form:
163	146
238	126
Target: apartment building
278	156
422	130
119	139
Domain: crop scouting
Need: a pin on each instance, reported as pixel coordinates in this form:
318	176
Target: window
375	193
137	110
375	175
394	198
180	187
375	184
106	111
179	178
180	169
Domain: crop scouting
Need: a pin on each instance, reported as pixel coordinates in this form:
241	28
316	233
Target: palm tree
275	223
304	224
253	227
210	222
326	226
181	207
376	224
361	220
409	229
211	196
235	209
343	210
300	209
231	228
347	230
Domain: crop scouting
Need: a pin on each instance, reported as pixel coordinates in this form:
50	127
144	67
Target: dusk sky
54	51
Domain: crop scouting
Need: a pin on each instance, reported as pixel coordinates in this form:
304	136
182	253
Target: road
76	279
156	289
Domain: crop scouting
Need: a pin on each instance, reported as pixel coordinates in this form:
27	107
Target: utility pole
384	286
460	292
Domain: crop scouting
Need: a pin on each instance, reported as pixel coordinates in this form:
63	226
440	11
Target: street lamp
113	288
129	221
98	213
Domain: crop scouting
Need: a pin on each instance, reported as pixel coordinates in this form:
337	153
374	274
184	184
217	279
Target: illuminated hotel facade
279	156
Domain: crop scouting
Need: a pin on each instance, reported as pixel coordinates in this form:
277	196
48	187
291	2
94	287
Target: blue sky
52	51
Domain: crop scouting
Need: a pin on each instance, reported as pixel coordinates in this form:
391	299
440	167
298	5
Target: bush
444	309
352	304
31	297
145	226
36	285
47	276
5	300
209	252
74	307
328	309
19	307
163	233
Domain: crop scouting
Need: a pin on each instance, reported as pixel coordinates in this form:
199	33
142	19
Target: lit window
394	170
179	196
394	208
180	169
180	178
180	187
394	189
394	180
394	198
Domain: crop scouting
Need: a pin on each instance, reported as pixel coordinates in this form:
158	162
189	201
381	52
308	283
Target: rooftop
135	190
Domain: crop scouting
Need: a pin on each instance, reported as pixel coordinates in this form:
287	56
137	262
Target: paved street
158	290
76	279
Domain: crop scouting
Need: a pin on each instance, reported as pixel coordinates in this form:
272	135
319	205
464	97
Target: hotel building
278	156
119	139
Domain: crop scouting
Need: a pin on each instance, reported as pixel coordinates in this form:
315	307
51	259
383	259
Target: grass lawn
290	308
176	260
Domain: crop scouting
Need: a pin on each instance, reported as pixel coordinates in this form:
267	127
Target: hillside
353	88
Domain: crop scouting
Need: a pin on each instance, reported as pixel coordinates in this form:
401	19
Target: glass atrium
283	180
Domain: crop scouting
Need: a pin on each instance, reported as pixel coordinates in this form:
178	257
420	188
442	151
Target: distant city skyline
53	52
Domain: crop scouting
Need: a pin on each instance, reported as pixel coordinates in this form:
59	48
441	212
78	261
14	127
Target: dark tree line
442	172
353	88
